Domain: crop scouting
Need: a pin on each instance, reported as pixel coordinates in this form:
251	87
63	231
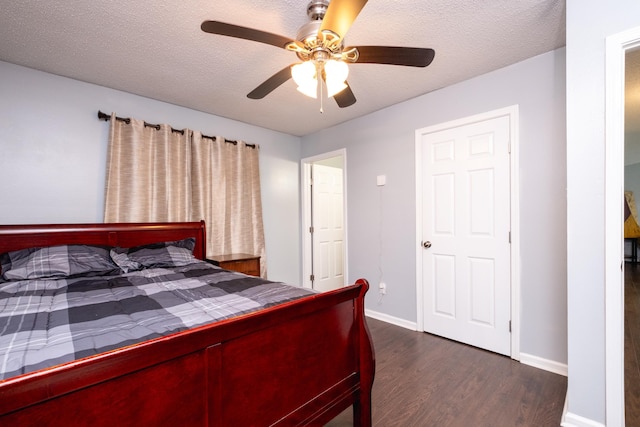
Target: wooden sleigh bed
297	363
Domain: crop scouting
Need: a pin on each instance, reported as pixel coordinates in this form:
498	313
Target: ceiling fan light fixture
336	73
305	76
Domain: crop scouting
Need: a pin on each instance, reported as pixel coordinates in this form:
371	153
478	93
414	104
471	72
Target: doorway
617	47
467	223
324	221
632	233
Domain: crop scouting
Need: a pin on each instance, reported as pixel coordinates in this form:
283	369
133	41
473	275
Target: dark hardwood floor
632	344
424	380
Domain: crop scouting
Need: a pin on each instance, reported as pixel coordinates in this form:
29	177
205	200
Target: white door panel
466	217
328	227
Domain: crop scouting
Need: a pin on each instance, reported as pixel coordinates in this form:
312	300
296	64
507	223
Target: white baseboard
546	364
391	319
573	420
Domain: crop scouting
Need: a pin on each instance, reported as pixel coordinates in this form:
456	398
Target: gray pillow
57	262
155	255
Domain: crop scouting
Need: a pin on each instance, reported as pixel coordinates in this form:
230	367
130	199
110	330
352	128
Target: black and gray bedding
67	302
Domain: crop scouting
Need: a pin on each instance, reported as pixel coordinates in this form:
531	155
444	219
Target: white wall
53	156
381	222
589	22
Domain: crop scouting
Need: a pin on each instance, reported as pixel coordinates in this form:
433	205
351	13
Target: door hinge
509	237
312	277
509	325
311	229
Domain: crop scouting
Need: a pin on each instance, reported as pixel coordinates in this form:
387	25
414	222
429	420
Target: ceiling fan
319	45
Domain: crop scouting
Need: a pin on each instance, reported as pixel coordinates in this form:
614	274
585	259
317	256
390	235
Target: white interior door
327	217
466	233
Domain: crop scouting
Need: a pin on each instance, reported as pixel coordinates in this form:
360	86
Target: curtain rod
127	120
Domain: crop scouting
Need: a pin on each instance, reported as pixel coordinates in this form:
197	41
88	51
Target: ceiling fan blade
409	56
224	29
271	83
345	97
340	15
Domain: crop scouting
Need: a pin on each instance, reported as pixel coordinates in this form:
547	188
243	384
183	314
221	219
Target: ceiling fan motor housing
308	32
317	9
317	46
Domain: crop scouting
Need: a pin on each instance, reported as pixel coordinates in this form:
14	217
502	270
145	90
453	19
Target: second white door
328	227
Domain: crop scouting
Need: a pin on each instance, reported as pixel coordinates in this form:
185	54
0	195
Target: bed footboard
298	363
301	363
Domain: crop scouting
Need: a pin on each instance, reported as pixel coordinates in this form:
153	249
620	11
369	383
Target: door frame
616	48
513	113
305	167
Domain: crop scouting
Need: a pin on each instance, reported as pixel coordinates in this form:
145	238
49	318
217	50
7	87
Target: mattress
48	321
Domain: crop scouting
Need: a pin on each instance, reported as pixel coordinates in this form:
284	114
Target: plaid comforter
47	322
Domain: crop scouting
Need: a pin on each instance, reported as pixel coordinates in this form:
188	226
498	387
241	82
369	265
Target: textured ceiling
156	49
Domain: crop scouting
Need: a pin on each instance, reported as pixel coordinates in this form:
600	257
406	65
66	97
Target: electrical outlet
383	288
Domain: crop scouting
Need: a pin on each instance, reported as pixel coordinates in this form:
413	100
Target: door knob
426	244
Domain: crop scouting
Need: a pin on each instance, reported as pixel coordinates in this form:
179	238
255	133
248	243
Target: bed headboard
14	237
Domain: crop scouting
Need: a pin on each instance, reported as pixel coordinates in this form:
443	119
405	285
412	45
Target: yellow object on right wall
631	228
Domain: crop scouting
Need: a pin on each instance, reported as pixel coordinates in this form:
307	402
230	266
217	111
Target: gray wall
589	22
632	180
381	220
53	156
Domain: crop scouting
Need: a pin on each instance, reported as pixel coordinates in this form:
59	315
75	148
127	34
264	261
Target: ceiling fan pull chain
321	80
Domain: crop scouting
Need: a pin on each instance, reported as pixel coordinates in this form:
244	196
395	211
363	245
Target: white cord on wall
381	291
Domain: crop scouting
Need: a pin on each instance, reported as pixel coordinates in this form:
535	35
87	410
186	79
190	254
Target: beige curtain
156	174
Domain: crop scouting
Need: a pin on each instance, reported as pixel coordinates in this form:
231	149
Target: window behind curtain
156	174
